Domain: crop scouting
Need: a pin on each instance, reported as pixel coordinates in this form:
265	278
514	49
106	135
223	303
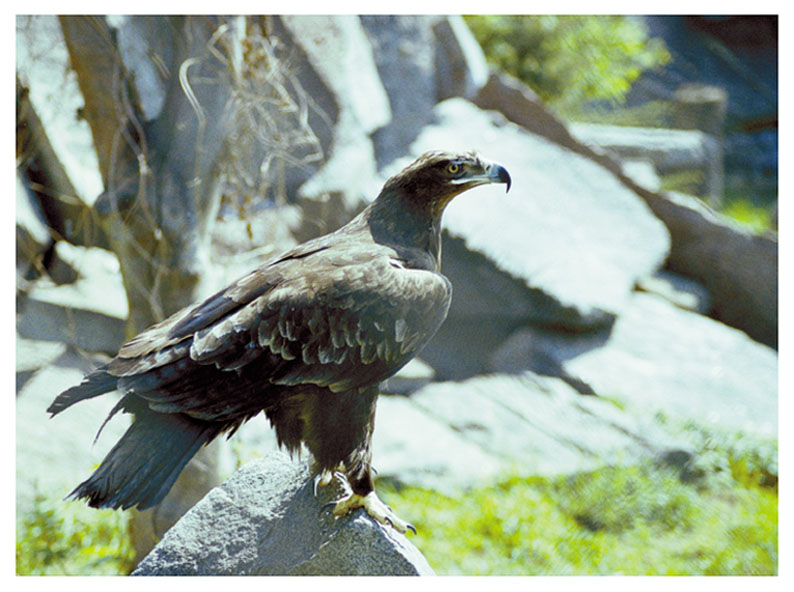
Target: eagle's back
340	314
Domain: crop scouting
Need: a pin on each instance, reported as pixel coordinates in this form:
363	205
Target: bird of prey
307	338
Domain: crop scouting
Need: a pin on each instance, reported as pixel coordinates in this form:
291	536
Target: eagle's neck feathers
396	220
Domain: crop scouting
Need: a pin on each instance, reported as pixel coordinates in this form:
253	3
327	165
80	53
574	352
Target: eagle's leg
339	436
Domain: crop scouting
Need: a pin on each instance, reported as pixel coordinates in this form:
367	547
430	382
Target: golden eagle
306	338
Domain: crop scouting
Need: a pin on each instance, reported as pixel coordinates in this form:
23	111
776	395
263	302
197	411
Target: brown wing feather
348	319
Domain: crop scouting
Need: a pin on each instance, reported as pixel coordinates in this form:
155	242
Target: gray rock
338	71
738	268
642	172
421	61
519	104
670	150
525	425
413	447
88	313
411	377
404	49
681	291
658	357
568	227
460	62
265	520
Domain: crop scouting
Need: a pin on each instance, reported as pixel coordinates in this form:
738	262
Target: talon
374	507
323	478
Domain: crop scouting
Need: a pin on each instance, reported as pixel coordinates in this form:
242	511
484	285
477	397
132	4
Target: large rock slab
569	229
739	268
461	68
421	59
334	62
670	150
404	50
88	313
414	447
471	432
660	358
266	520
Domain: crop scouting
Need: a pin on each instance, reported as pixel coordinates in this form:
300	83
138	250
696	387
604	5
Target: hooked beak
498	174
492	172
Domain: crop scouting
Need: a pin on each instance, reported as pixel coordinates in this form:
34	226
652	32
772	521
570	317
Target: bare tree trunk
156	92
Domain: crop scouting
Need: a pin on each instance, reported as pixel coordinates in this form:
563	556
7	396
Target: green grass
755	218
60	538
636	520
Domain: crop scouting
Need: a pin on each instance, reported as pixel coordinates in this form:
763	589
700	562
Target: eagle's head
432	180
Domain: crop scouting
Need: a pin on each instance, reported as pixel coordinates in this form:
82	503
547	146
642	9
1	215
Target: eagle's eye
453	168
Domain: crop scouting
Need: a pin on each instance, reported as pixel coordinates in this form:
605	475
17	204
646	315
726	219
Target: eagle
306	338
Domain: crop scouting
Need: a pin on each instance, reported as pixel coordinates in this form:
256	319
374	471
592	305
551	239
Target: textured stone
88	313
659	357
266	520
404	49
568	228
461	69
670	150
738	269
524	424
337	69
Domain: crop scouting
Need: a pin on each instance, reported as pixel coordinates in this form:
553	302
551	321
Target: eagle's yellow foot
374	507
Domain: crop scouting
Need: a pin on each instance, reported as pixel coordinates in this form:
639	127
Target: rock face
579	237
740	270
471	432
336	68
421	60
265	520
659	357
88	313
561	250
670	150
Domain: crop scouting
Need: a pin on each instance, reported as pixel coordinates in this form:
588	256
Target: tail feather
143	465
95	384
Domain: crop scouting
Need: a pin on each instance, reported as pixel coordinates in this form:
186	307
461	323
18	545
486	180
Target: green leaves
60	538
570	59
642	519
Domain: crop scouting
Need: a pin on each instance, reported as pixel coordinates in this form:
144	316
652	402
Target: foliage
755	218
638	520
570	59
56	538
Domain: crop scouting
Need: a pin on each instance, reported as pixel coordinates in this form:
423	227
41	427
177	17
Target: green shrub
58	538
569	60
634	520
